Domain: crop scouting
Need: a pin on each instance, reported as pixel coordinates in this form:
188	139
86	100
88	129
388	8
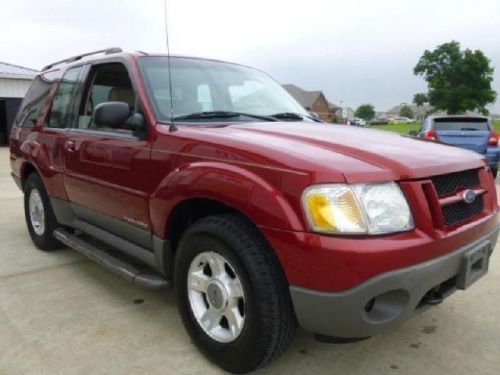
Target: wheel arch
189	211
28	168
224	185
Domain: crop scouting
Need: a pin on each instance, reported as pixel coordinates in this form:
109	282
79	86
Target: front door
107	169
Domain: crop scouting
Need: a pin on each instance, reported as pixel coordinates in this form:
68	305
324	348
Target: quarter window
35	99
61	112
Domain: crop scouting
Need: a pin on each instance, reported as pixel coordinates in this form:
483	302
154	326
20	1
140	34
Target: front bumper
392	297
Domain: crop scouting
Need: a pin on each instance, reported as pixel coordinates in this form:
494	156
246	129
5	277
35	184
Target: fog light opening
369	305
386	306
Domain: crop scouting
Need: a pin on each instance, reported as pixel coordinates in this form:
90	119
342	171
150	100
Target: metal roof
16	70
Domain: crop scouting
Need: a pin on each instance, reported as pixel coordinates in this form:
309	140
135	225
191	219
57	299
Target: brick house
314	101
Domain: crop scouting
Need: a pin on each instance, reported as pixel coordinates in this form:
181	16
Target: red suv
214	180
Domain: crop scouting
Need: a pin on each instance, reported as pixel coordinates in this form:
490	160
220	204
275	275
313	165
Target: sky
355	51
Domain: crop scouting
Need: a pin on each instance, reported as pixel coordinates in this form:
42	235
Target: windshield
461	124
211	86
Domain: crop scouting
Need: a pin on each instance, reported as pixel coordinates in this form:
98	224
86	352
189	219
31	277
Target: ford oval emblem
469	196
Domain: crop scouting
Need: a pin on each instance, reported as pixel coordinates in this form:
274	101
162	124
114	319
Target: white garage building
14	83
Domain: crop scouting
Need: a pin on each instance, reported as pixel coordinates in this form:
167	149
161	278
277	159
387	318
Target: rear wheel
40	218
233	296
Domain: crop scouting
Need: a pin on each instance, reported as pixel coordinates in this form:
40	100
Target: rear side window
62	113
461	124
35	99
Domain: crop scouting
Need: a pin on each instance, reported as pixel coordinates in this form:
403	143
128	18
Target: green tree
406	111
457	80
365	111
420	99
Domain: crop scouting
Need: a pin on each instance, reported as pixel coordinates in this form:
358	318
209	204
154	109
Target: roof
305	98
16	70
117	51
333	107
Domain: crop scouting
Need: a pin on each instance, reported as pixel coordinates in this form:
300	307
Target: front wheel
233	296
40	218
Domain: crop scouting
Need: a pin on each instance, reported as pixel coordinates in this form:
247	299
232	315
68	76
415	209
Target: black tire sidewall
45	241
248	349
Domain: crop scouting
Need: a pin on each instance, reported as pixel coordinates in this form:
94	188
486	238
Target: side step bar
125	270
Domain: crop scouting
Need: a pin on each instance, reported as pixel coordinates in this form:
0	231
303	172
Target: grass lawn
496	126
405	128
399	128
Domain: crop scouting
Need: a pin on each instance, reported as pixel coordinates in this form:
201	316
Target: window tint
35	99
61	112
106	83
461	124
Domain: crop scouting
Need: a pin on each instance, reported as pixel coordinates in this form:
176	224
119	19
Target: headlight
357	209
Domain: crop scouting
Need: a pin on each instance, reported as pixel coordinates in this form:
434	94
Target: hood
333	152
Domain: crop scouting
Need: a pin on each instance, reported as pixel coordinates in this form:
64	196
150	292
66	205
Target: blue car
471	132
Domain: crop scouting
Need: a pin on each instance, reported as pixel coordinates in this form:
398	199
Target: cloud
356	51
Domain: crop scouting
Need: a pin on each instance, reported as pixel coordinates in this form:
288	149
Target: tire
494	171
268	319
42	223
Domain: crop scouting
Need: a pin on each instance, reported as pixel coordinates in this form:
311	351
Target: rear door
471	133
107	169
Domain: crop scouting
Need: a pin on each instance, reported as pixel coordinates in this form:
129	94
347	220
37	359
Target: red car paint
261	170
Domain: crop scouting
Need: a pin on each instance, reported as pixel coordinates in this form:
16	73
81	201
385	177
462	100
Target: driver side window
106	83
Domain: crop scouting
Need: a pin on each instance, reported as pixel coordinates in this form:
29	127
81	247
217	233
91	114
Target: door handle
70	146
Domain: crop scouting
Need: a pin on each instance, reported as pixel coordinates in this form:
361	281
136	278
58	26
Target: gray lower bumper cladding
390	298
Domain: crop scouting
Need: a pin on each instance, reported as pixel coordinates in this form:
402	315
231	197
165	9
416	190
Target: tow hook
432	297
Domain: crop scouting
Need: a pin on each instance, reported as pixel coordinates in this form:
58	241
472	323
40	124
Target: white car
357	122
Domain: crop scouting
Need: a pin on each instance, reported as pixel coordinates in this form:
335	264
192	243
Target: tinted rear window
35	99
461	124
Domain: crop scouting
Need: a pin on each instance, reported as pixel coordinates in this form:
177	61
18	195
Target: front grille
449	183
460	211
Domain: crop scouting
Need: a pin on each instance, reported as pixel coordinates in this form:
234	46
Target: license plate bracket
474	265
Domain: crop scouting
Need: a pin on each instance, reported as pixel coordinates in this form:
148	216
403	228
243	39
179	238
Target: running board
125	270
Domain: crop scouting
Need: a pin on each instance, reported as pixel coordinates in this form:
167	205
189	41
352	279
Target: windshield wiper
293	116
220	114
288	115
467	129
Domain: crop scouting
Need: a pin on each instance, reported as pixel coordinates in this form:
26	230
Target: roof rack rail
106	51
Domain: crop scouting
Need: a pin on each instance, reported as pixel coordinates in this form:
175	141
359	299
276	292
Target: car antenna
172	127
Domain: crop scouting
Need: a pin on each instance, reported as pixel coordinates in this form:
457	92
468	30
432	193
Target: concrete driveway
63	314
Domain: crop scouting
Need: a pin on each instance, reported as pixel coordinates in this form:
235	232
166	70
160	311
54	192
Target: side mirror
413	133
137	124
111	114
